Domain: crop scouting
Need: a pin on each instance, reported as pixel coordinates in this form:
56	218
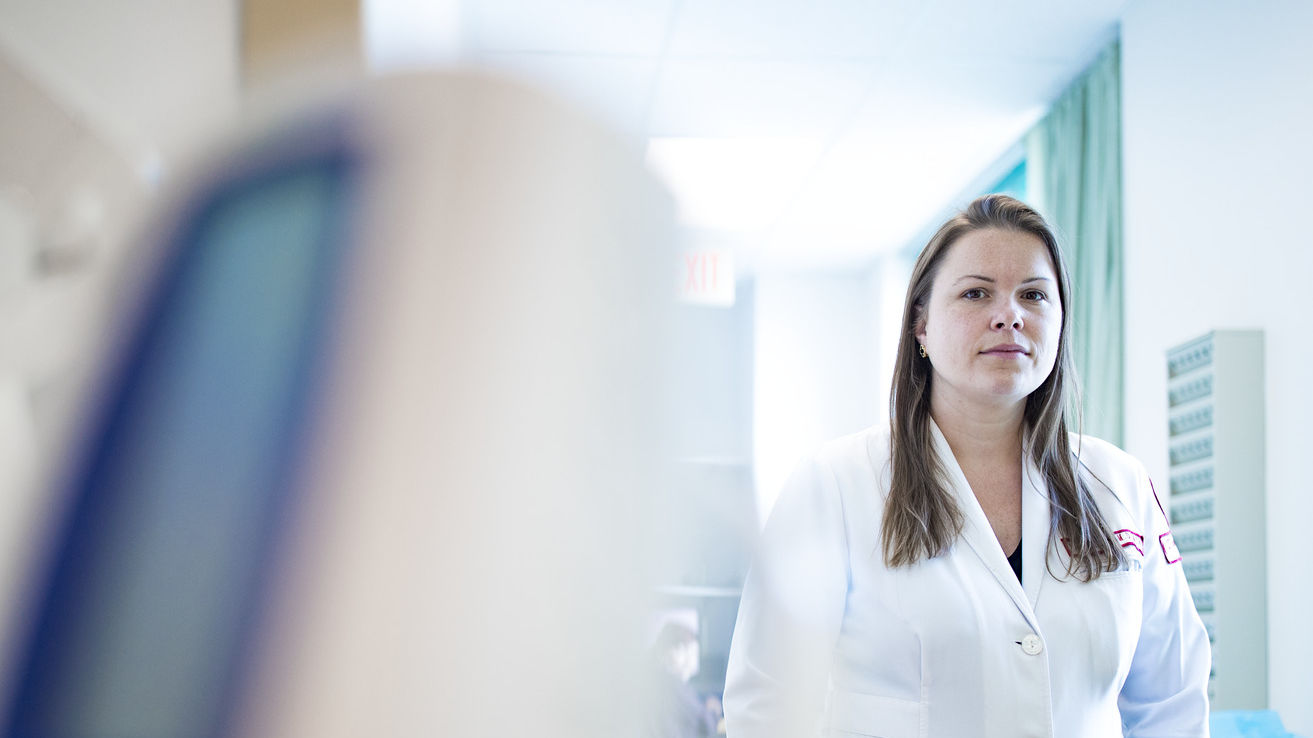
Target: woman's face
992	321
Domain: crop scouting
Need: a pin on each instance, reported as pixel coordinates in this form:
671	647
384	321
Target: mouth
1006	349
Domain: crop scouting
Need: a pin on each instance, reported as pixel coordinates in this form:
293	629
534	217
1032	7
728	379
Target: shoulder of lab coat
794	596
1166	690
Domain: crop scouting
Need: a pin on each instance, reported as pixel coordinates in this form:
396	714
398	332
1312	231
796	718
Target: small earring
923	354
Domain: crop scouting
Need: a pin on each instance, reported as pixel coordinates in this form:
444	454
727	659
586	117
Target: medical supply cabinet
1217	510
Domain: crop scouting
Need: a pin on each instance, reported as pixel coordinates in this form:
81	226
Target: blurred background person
678	711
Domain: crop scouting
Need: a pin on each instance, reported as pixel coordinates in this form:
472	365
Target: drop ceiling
800	134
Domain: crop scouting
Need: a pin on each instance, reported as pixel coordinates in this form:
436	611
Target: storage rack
1217	508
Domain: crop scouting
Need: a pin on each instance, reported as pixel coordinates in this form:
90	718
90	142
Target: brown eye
1034	296
974	294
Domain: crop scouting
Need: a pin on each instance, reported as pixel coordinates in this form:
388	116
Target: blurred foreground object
367	453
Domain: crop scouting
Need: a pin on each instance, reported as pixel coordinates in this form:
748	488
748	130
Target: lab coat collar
1034	526
979	536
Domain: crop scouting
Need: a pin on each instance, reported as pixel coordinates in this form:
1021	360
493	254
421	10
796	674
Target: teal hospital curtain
1074	178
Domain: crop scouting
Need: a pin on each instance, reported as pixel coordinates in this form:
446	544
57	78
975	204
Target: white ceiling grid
814	133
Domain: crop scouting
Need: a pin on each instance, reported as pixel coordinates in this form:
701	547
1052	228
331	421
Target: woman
972	570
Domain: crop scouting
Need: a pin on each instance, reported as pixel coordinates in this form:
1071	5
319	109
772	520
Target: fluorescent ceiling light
735	184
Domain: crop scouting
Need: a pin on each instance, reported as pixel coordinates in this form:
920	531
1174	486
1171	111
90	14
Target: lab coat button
1032	645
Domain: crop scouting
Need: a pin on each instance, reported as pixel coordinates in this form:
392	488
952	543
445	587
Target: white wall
1217	104
888	284
141	71
817	359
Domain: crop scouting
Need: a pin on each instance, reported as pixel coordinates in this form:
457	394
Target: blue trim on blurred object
162	565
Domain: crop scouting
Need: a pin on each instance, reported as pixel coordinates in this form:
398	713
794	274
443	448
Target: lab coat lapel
1034	528
977	533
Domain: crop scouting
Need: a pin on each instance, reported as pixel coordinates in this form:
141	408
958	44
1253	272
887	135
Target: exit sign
706	277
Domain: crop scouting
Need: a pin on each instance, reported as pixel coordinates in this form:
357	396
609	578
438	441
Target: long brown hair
921	518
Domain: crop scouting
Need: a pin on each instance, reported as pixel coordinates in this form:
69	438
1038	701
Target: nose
1009	315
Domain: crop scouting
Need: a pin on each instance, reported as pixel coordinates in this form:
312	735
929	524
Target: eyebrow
983	278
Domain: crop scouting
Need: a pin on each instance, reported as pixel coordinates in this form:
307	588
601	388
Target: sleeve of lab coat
1166	691
789	617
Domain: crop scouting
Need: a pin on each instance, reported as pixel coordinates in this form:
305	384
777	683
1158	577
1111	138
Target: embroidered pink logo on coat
1130	539
1170	551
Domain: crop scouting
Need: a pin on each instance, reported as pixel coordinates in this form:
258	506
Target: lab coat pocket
1114	612
1134	566
855	714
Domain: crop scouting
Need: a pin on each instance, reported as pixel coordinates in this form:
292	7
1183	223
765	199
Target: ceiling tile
936	89
884	184
787	29
631	27
614	89
737	98
1020	29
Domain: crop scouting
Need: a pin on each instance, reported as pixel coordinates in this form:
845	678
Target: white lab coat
831	641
